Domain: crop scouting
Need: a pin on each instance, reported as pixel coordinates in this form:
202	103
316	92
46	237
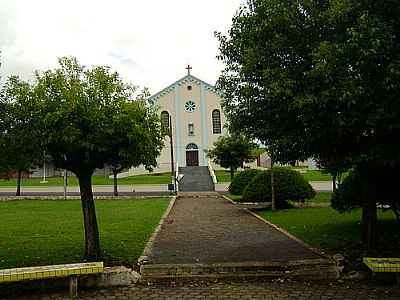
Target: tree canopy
90	118
20	148
232	152
317	79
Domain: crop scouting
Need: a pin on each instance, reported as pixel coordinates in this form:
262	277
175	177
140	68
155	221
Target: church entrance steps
205	236
198	194
196	179
312	269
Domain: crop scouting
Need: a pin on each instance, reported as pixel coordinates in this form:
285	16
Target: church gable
184	81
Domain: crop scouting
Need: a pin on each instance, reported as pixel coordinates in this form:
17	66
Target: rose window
190	106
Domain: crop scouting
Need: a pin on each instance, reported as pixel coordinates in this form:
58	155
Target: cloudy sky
149	42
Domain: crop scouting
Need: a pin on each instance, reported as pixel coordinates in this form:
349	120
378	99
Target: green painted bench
54	271
384	265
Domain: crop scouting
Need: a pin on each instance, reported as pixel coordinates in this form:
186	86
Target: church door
192	155
192	158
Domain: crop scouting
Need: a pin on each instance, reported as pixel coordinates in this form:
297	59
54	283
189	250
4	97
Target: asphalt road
123	190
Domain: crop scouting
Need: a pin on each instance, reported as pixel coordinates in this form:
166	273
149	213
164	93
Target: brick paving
241	290
210	229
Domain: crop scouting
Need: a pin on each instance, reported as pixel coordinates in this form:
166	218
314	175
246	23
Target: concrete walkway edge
149	245
288	234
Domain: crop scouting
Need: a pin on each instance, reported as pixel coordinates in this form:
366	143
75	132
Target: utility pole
172	155
44	168
273	206
65	183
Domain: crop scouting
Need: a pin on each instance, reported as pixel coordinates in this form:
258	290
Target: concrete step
198	194
311	269
196	179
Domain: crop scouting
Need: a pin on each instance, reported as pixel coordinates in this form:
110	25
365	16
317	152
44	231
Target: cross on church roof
188	68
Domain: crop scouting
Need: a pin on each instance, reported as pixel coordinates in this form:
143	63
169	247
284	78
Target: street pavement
272	290
124	190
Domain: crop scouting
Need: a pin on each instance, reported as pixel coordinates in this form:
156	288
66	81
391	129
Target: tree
232	152
20	148
318	79
336	169
4	124
150	139
348	196
90	119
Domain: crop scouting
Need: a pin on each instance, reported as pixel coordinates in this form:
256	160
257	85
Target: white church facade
197	119
193	108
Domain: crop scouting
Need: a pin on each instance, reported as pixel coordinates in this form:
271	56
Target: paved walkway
244	290
212	230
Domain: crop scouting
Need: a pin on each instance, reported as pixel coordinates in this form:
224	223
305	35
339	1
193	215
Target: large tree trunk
232	173
92	241
115	173
369	224
19	175
369	212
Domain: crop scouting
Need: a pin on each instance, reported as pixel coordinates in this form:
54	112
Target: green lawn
223	175
326	229
321	197
156	178
313	175
234	197
41	232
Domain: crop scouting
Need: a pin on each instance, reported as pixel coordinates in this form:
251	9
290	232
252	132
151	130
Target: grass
223	175
41	232
234	197
321	197
152	178
313	175
326	229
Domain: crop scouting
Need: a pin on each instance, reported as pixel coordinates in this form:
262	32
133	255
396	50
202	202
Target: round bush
351	192
288	185
348	194
241	180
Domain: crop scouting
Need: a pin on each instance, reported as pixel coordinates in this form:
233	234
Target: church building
194	109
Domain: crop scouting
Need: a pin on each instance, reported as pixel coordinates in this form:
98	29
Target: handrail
176	177
212	173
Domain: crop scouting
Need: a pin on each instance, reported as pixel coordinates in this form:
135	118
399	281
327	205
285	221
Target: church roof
184	80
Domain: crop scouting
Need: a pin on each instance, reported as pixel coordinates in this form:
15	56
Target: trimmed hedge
241	180
289	185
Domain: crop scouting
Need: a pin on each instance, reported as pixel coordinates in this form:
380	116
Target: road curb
288	234
281	230
149	245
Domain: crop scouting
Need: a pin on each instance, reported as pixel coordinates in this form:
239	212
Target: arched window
192	146
165	119
216	121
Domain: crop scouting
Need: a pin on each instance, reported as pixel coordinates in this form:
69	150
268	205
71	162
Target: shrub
349	194
241	180
289	185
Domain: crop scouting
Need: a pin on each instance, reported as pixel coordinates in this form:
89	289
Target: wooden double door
192	158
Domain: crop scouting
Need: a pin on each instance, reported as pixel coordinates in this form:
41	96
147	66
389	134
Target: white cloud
149	42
